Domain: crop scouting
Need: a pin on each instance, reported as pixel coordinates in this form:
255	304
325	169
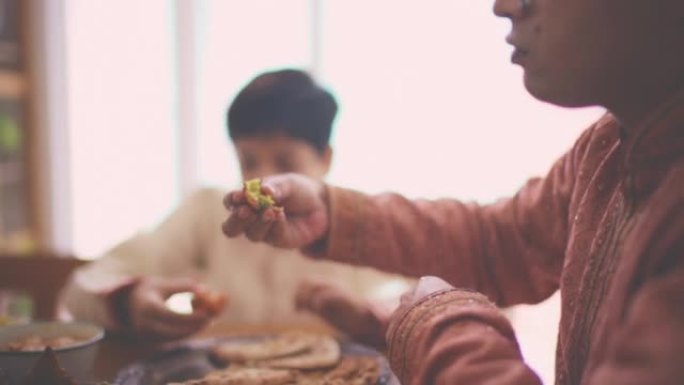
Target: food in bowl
76	355
26	344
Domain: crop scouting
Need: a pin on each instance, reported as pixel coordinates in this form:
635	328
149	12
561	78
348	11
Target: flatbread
355	371
245	376
283	345
324	352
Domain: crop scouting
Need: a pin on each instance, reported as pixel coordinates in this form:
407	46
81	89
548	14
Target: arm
457	336
511	250
96	291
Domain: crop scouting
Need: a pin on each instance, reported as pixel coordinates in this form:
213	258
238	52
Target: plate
191	360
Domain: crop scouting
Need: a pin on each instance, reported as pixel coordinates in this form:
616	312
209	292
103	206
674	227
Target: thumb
277	186
177	285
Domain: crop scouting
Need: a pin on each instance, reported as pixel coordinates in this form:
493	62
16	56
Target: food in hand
209	301
255	198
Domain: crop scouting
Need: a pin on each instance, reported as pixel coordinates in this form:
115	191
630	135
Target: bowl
76	358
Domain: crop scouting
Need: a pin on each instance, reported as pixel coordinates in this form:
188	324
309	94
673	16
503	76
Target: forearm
456	337
485	248
91	297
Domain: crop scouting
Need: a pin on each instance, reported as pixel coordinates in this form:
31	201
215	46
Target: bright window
237	40
120	118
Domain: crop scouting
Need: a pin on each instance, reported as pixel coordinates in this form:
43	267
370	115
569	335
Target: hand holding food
208	301
288	211
149	315
255	197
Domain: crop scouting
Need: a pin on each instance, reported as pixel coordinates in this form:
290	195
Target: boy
605	226
280	122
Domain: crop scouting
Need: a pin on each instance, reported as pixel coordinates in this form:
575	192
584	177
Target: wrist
319	244
119	304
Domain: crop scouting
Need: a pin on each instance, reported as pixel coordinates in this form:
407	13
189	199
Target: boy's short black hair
286	102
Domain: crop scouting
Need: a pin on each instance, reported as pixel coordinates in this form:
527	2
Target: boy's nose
508	8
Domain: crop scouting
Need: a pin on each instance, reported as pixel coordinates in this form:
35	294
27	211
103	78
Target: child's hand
149	315
208	301
298	219
355	317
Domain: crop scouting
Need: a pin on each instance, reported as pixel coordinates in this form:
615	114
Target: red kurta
606	226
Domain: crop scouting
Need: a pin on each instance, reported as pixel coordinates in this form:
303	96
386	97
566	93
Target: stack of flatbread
289	359
287	351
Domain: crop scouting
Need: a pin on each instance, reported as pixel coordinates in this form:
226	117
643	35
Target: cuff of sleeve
413	329
343	242
117	303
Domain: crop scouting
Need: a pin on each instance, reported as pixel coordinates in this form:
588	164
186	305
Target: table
116	352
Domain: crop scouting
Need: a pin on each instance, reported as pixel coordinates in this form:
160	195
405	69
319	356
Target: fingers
234	199
240	214
346	312
309	293
168	287
277	187
239	220
159	329
257	227
307	216
162	313
154	318
260	227
150	315
163	328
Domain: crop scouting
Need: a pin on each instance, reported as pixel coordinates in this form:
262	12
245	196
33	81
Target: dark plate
192	360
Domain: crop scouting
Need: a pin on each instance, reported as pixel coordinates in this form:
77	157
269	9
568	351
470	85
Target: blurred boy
280	122
605	226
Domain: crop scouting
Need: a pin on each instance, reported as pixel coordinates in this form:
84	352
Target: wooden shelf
19	175
12	84
10	172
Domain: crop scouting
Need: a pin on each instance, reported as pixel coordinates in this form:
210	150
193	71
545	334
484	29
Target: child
605	226
280	122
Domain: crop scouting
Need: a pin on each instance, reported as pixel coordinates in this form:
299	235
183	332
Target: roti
323	352
245	376
283	345
294	358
